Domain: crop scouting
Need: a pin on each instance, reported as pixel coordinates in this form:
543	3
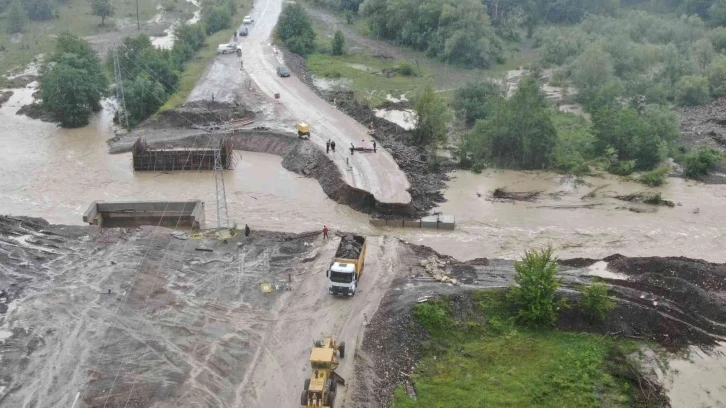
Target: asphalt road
376	173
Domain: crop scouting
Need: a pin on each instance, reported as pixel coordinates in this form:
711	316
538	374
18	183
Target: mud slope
180	327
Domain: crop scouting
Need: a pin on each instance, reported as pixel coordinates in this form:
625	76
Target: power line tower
123	117
222	216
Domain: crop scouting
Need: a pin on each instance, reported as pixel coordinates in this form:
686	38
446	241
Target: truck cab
343	279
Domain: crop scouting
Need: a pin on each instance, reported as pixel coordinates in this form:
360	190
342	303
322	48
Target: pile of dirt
198	113
427	181
35	110
704	125
646	197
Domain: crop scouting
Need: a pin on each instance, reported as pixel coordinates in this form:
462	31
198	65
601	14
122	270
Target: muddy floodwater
56	173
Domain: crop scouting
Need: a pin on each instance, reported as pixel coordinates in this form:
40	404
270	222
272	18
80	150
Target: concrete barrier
172	214
442	222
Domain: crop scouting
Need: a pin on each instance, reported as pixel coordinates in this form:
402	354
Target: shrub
216	19
534	298
433	315
691	90
656	177
701	161
295	30
338	45
405	69
595	301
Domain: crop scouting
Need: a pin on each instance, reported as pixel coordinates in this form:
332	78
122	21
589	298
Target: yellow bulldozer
320	388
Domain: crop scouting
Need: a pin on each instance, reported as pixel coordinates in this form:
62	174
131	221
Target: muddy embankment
705	126
427	181
299	156
674	302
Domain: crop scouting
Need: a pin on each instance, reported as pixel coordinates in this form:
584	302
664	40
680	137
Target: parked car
283	71
226	48
247	20
243	31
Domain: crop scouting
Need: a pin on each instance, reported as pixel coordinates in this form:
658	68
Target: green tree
17	17
216	19
691	90
703	53
591	69
103	9
72	82
189	39
717	77
39	10
675	66
143	97
431	118
518	133
701	161
534	297
595	301
473	101
717	12
295	30
68	91
128	54
338	43
718	38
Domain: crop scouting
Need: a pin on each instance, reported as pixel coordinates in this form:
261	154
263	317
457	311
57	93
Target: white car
226	48
247	20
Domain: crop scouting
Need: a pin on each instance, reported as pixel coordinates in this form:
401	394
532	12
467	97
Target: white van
226	48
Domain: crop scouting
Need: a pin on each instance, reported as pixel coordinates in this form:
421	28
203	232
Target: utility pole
123	116
138	24
222	216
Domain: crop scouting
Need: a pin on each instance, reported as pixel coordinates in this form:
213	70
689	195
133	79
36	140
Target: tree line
73	80
19	12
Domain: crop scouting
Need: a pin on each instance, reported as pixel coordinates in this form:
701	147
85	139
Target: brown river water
56	173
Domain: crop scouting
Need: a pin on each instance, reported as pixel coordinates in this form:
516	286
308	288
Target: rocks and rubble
349	247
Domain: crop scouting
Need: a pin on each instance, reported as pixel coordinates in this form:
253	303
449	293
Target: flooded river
55	173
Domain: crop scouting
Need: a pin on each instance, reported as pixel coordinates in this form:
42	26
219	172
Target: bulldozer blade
337	378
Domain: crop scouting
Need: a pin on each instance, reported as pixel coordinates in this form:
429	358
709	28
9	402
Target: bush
701	161
691	90
595	301
656	177
406	69
216	19
473	100
433	315
534	298
17	17
338	45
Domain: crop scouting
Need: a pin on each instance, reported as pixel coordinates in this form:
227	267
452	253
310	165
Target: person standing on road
325	232
332	145
374	146
327	146
247	230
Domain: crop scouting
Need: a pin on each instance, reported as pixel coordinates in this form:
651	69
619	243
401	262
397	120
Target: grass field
74	16
494	363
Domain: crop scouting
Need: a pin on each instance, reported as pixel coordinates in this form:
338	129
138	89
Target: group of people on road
330	144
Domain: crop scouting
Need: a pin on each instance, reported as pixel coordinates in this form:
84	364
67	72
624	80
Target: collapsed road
376	173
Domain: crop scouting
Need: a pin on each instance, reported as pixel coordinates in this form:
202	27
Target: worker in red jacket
325	232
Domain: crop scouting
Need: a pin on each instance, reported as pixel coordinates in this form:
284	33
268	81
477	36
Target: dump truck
320	388
345	270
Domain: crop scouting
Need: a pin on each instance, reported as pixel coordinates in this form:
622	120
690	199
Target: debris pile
646	197
502	193
437	270
350	247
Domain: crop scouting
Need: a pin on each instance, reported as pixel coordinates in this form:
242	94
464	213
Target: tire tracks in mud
310	313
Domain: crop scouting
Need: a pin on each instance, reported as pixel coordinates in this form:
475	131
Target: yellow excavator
320	388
